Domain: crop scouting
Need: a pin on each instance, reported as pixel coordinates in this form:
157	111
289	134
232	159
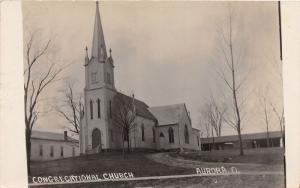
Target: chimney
65	135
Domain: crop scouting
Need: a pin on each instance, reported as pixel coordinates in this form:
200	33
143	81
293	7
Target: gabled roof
141	108
167	115
50	136
234	138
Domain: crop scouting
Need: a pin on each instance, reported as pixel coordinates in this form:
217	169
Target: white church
156	128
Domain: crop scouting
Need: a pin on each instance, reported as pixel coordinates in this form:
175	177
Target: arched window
186	134
91	109
171	135
153	133
99	108
110	114
161	135
111	136
198	140
143	132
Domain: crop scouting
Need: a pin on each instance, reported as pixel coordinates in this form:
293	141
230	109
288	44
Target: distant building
51	146
163	127
254	140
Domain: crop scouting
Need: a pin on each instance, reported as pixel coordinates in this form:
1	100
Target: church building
102	127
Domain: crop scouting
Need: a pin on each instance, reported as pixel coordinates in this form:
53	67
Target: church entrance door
96	138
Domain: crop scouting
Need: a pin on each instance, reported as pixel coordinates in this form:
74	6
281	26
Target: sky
164	53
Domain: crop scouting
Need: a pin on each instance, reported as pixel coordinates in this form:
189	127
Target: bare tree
276	66
230	75
217	113
264	104
71	108
204	124
124	116
213	118
35	85
280	118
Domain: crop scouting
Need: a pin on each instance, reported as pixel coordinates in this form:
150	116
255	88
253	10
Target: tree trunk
267	123
213	137
128	144
123	151
28	149
240	139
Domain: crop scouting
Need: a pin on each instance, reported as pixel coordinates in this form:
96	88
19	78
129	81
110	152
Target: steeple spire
98	48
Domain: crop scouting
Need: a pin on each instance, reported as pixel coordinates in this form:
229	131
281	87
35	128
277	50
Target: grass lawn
137	163
268	156
142	166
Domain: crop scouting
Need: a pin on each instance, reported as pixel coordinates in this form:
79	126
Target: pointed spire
110	52
86	56
98	48
86	52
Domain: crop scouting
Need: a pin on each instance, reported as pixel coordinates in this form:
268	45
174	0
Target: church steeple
99	47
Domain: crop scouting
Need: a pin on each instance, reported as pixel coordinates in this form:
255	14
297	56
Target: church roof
50	136
168	115
141	107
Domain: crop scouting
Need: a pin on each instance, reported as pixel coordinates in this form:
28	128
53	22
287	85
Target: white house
51	146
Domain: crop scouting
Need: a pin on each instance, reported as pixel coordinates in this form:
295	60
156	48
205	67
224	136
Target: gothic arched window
153	133
111	135
161	135
99	108
143	132
171	135
91	109
186	134
110	113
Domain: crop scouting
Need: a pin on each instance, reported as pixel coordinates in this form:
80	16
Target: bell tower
98	92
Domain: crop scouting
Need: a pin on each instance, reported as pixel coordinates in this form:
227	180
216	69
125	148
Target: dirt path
245	168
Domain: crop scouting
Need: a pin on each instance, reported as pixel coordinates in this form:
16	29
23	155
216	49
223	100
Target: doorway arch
96	138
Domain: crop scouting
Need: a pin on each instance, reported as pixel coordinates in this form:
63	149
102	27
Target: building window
111	136
161	135
99	108
108	78
198	140
143	133
171	135
153	133
186	134
110	113
94	77
73	151
41	150
61	151
51	151
91	109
